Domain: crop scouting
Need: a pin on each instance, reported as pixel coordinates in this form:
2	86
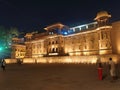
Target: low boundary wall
67	59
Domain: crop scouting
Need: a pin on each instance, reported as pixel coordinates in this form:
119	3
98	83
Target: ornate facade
60	40
18	49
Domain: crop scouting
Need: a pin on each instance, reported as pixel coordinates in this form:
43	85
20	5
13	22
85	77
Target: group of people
111	66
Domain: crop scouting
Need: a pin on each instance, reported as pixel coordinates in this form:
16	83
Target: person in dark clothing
3	63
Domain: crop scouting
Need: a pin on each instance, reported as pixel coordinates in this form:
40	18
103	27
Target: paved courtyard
55	77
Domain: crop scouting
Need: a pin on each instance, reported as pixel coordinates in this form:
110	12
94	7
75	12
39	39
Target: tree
6	36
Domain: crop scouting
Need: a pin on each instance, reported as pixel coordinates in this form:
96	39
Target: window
83	28
91	26
53	42
56	49
49	33
77	29
53	50
56	42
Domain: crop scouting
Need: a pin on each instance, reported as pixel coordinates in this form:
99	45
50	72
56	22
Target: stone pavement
55	77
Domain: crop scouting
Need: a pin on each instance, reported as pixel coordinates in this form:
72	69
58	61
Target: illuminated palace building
76	44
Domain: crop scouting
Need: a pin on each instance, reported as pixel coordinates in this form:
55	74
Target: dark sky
29	15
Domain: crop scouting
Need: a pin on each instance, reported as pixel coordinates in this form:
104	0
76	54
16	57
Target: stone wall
68	59
115	37
10	61
72	59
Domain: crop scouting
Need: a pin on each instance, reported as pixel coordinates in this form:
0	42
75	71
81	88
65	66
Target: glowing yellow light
67	59
53	53
8	61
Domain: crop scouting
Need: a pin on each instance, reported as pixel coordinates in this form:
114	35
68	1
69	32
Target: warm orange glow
103	52
57	25
53	53
67	59
8	61
71	54
30	60
45	28
77	53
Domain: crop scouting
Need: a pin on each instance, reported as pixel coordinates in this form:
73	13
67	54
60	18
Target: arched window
53	42
53	50
56	49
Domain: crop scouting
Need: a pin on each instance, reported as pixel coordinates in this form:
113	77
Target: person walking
3	63
112	69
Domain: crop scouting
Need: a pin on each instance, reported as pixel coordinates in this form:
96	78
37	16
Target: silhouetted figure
3	63
19	61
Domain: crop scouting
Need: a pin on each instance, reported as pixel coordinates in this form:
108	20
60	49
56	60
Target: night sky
29	15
